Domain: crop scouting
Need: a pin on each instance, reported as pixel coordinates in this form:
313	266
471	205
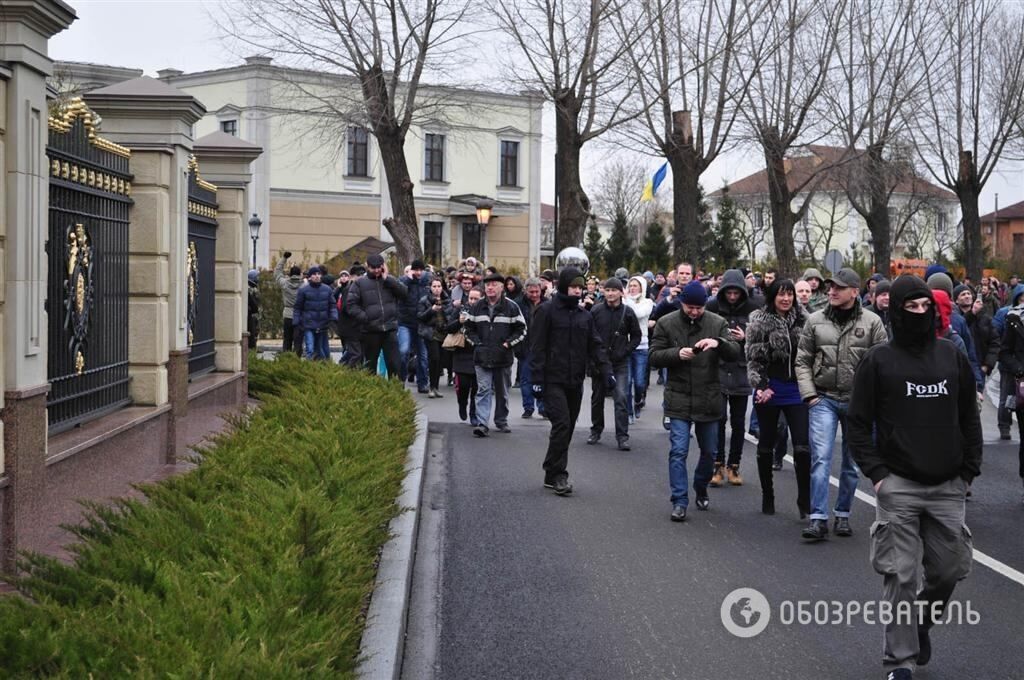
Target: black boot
802	465
764	474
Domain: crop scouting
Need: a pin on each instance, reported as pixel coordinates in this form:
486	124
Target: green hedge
258	563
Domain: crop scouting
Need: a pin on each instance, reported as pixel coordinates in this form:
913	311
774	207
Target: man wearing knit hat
689	343
619	330
939	279
881	304
563	342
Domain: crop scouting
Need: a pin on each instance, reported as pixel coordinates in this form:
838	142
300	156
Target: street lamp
484	207
254	233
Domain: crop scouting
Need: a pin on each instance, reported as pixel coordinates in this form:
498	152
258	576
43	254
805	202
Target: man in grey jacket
289	285
833	342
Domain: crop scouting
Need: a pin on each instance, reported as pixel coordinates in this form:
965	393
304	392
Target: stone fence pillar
225	161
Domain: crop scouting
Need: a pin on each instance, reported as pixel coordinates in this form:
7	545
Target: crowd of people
898	366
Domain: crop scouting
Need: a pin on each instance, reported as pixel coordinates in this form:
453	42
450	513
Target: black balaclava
567	277
909	329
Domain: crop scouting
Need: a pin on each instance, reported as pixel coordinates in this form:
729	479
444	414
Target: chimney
258	60
163	74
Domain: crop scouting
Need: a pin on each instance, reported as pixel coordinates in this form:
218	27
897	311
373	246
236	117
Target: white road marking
981	558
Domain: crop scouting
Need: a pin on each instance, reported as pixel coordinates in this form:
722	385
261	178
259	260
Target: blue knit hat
695	294
934	269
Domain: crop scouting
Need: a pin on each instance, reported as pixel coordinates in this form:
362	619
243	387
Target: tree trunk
968	190
573	203
686	169
877	220
402	224
783	219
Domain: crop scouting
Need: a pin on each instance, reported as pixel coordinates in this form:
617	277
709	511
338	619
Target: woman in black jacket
1011	357
773	334
432	328
462	359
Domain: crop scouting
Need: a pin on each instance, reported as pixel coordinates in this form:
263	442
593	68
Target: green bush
270	305
258	563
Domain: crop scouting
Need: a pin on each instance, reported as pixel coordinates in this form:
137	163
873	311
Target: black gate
87	289
201	267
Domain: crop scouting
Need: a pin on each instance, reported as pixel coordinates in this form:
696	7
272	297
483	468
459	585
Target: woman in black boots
433	317
462	359
772	337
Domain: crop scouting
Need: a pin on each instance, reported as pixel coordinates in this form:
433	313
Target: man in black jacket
411	344
979	322
619	330
564	342
495	328
915	431
373	302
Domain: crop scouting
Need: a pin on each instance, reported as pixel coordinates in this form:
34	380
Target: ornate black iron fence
87	250
202	269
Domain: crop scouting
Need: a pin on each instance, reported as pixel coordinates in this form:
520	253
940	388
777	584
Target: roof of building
1010	212
143	86
800	168
223	140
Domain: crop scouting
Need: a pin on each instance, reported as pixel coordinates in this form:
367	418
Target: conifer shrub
259	563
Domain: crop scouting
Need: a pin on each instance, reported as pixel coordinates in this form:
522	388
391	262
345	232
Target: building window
758	219
358	152
510	164
432	242
433	169
472	240
230	127
940	223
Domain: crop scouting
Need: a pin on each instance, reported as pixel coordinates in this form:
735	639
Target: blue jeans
492	390
639	374
679	447
317	344
525	383
409	340
825	417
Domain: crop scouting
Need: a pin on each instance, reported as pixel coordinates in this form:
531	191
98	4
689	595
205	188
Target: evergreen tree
620	249
705	239
727	237
594	247
653	253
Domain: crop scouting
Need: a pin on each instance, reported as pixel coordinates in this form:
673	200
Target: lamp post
484	207
254	233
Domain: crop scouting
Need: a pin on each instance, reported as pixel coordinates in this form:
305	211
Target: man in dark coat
348	326
732	304
495	328
690	344
986	341
619	330
564	342
410	344
372	301
253	325
314	311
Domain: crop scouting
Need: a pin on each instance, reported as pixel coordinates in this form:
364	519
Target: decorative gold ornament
63	121
79	363
78	292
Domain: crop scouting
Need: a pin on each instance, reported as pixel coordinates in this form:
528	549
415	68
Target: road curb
380	652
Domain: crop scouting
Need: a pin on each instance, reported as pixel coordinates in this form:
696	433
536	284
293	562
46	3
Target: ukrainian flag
652	185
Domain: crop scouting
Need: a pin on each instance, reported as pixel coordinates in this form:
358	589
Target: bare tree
877	77
618	190
971	104
693	76
574	54
386	46
817	230
754	227
781	109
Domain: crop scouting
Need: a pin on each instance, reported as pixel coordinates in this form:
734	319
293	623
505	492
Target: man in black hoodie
915	431
563	341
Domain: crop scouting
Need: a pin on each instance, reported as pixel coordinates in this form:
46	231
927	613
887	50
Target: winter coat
373	302
432	324
692	391
489	329
289	288
733	372
347	325
314	307
882	314
772	340
253	325
462	357
619	331
516	294
409	307
828	354
999	320
986	341
1011	347
642	306
563	343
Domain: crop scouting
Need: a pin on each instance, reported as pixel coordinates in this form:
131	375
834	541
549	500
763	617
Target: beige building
318	190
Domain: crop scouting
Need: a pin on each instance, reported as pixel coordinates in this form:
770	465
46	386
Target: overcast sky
157	34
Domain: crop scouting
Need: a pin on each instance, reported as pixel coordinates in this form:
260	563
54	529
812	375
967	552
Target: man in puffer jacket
733	305
289	285
494	328
314	310
373	302
832	344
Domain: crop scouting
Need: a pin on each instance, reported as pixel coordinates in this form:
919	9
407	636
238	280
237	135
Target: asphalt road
525	584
